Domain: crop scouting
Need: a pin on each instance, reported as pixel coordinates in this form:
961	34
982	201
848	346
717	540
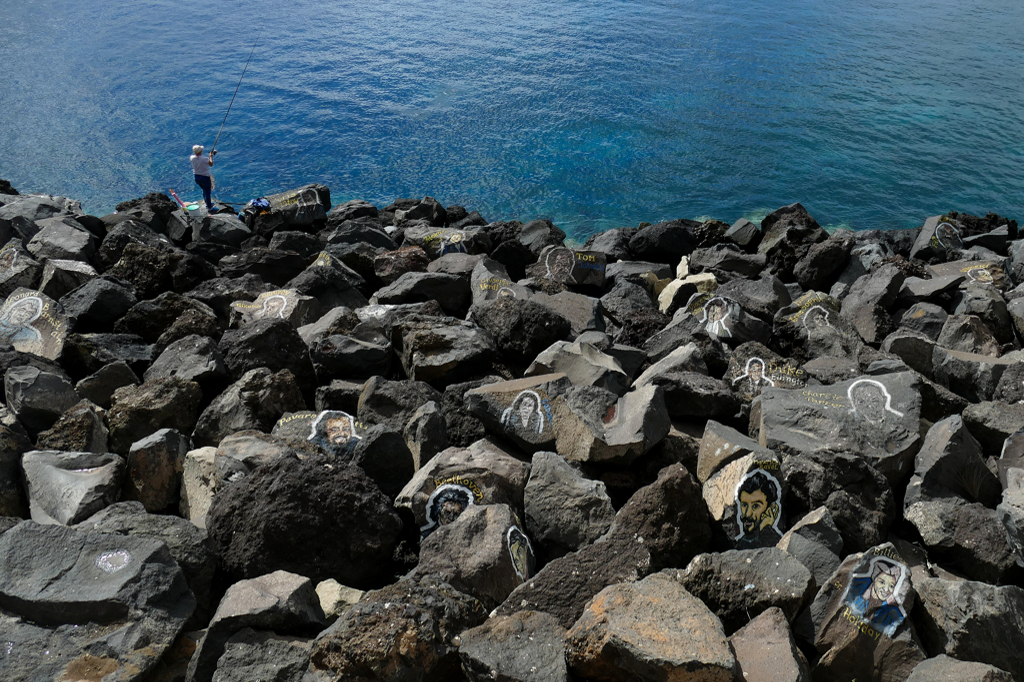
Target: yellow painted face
752	508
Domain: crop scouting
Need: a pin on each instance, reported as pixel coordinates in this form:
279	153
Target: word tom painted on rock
584	268
521	552
33	323
268	305
528	414
446	504
335	432
759	507
717	313
875	596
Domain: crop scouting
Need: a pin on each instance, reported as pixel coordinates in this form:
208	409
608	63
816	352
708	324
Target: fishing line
258	34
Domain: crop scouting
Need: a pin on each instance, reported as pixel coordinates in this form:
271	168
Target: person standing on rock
201	167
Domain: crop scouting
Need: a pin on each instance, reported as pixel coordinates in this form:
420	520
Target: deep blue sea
594	113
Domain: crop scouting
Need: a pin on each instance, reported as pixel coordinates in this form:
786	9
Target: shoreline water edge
313	442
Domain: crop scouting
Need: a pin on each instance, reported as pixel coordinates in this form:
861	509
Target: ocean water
593	113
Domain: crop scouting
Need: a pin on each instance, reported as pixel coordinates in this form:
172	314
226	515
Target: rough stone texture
335	598
475	553
192	358
38	398
406	631
766	652
271	343
528	646
255	401
68	487
970	375
521	328
78	604
972	621
155	464
441	351
739	585
564	510
138	411
649	630
79	429
942	668
392	403
256	533
262	655
816	543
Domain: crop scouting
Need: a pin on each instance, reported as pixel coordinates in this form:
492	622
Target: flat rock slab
649	630
877	416
284	304
980	271
528	646
766	652
68	487
76	605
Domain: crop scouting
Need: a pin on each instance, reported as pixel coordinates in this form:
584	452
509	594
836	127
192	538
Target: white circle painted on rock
112	562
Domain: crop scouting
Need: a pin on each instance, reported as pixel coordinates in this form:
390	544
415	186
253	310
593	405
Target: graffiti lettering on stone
520	550
806	302
758	509
28	323
494	284
335	432
527	413
870	399
445	505
874	598
478	494
112	562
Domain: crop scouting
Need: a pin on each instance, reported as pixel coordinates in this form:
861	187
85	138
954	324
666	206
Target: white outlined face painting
16	323
871	400
445	505
559	264
335	431
877	592
948	237
452	243
716	317
520	550
754	373
981	273
274	306
525	413
816	317
505	292
758	508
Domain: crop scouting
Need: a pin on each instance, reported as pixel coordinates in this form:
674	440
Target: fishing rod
258	34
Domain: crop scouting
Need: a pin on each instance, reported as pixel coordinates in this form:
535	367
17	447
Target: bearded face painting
520	551
560	263
334	432
876	594
445	505
758	510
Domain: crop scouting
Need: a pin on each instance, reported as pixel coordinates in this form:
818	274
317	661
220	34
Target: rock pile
326	443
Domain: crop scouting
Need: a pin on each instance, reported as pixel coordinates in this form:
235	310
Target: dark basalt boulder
271	343
665	242
275	267
314	500
521	328
138	411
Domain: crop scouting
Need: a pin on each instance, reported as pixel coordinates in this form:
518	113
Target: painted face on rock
752	507
339	431
526	408
883	586
756	372
870	402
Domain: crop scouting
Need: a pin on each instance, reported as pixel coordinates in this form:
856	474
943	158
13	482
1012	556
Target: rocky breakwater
329	443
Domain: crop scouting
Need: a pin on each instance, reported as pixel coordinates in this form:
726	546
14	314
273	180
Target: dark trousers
204	182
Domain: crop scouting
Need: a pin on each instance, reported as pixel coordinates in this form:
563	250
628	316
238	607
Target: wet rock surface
805	447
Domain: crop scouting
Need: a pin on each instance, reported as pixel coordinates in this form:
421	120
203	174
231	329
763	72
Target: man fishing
201	167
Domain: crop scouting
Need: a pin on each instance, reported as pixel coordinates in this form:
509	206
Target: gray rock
97	304
155	464
273	344
766	652
583	312
564	510
816	543
528	646
985	301
60	276
98	603
664	242
441	350
972	621
744	233
189	546
220	228
754	367
37	398
19	270
68	487
913	348
789	232
520	328
193	358
392	403
745	501
926	318
456	478
99	387
823	260
970	375
138	411
866	304
537	234
721	445
916	290
651	630
992	423
584	365
364	353
368	640
450	291
942	668
87	353
874	416
256	401
425	433
812	326
340	320
80	429
198	480
488	280
262	655
282	304
62	240
483	552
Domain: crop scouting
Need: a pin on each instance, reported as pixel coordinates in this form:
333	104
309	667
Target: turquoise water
595	114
